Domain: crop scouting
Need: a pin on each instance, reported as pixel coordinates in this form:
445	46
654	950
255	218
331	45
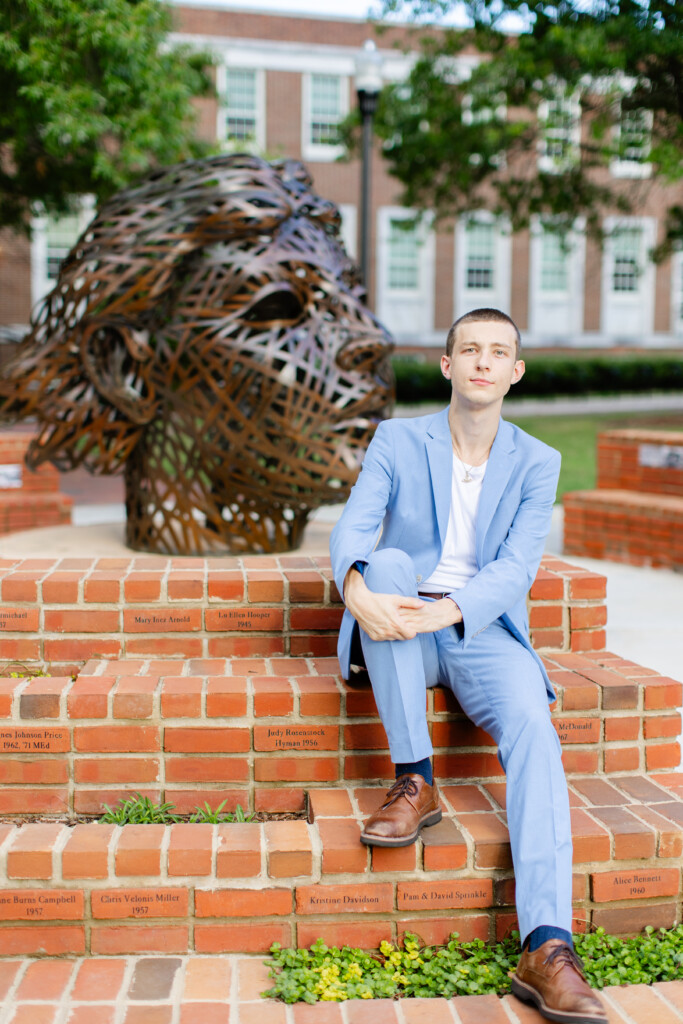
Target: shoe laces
404	786
565	955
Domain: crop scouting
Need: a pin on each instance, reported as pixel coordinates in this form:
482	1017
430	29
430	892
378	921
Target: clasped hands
393	616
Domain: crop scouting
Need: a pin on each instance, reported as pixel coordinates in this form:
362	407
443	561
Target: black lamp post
368	85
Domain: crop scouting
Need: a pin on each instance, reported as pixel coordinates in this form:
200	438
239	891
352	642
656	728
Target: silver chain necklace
467	479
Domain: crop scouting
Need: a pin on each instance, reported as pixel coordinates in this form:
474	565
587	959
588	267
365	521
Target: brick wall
625	457
37	502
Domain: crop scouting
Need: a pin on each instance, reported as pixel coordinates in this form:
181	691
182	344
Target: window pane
554	260
326	109
559	128
241	110
626	247
480	254
403	257
634	136
62	234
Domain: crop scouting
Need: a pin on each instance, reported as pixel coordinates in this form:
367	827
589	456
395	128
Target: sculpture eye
280	305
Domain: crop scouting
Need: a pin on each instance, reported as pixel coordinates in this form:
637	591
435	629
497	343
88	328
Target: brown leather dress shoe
552	978
411	804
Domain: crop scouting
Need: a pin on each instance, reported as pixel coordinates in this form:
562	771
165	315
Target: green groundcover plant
140	810
329	974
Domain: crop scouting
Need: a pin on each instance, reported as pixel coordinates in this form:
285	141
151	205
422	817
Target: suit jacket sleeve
356	533
504	581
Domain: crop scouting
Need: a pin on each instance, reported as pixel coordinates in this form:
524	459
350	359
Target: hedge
548	376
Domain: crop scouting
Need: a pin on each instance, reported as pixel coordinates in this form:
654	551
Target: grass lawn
576	437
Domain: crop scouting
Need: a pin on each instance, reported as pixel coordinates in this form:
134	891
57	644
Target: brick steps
65	611
228	989
259	732
105	889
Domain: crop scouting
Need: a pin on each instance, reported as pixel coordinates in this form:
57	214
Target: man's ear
118	360
446	366
518	371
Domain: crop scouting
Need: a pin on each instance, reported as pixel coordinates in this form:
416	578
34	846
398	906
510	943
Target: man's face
483	364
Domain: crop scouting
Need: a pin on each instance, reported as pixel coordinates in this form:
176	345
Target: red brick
319	696
239	850
93	801
226	586
662	755
403	859
53	940
467	765
357	934
437	930
34	801
328	803
444	847
39	905
185	586
98	979
361	897
88	697
305	586
451	894
579	761
138	850
625	728
587	616
622	759
226	697
178	646
591	841
102	588
243	902
288	849
19	620
315	618
141	904
190	849
634	884
112	739
289	798
588	586
162	620
633	839
81	620
296	736
117	770
30	853
265	586
61	588
108	940
342	848
241	938
661	692
85	854
662	725
20	586
546	587
588	640
313	645
577	730
257	619
296	769
18	771
546	616
181	697
76	651
641	1003
44	980
632	920
206	769
142	586
228	740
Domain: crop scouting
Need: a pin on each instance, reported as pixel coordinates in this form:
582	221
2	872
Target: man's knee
390	571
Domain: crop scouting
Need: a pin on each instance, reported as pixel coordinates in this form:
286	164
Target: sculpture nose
365	353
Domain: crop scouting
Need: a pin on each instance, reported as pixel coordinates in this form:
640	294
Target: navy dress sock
423	768
544	932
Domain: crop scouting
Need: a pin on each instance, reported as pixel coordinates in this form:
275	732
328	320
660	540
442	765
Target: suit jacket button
418	579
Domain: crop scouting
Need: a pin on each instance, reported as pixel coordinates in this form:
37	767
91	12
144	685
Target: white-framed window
325	104
627	246
633	139
560	131
52	239
483	249
241	109
480	255
405	273
554	269
628	279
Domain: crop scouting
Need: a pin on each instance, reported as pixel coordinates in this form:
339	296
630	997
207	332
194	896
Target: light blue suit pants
500	688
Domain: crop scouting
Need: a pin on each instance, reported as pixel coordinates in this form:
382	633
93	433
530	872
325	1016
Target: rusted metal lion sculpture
207	337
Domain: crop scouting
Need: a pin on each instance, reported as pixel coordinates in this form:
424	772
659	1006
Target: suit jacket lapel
440	455
498	471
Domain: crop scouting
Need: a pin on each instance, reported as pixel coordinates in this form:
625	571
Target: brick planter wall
38	501
623	456
63	612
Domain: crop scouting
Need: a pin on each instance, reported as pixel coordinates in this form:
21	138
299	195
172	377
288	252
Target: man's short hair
479	315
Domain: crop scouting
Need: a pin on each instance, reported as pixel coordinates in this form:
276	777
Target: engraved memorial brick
296	737
34	740
446	894
578	730
41	905
344	899
139	903
162	620
636	884
19	620
244	619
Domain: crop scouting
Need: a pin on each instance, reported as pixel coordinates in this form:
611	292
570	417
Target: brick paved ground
226	990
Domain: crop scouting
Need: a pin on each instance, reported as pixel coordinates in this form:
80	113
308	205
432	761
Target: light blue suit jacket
402	500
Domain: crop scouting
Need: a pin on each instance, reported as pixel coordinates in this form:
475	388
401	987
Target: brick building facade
283	81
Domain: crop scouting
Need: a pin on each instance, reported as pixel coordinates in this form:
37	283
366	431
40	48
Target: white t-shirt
457	563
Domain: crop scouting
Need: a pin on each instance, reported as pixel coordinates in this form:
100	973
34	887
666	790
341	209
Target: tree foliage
92	98
459	141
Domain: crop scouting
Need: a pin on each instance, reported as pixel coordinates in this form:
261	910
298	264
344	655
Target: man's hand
392	616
